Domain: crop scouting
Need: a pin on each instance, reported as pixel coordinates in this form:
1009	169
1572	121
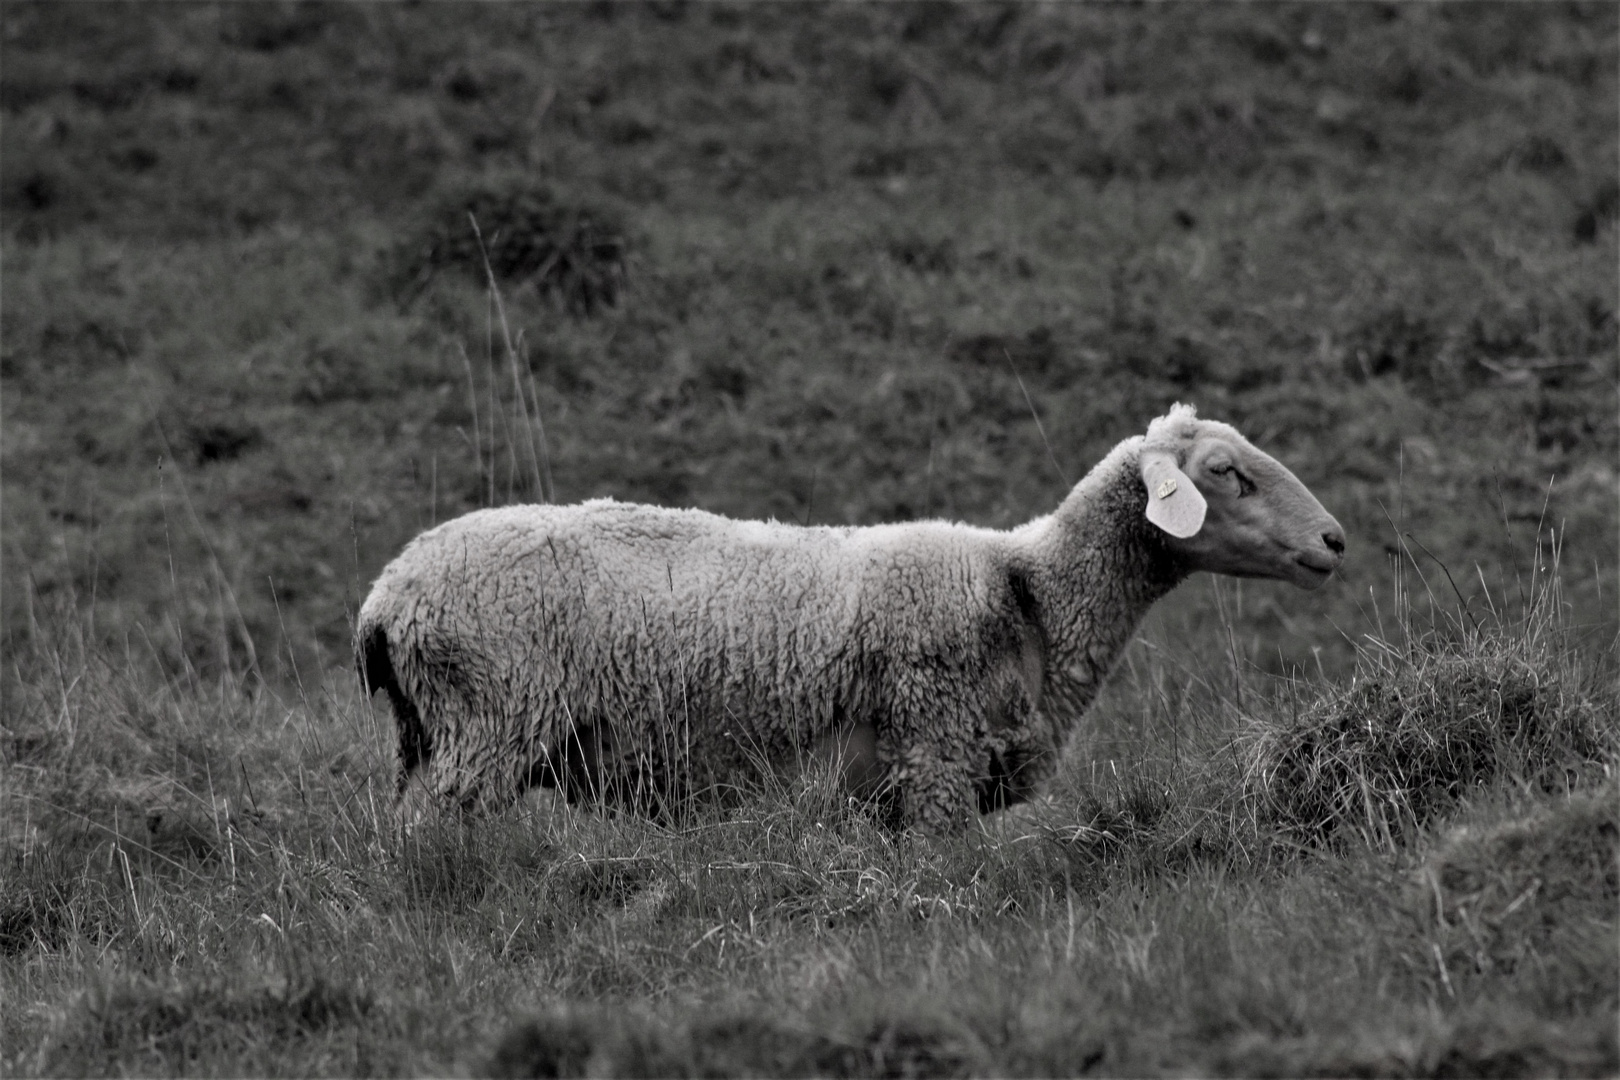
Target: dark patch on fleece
377	673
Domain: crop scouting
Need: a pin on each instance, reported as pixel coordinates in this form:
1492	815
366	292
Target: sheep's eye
1245	485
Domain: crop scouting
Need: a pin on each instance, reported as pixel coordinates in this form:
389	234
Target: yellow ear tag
1167	488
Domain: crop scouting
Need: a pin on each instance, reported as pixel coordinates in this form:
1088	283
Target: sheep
634	655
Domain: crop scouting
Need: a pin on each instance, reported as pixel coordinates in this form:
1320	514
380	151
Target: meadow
285	283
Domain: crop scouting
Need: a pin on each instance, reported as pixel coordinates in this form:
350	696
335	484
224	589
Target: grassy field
832	264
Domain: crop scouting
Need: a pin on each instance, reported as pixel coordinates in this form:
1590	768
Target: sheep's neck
1101	566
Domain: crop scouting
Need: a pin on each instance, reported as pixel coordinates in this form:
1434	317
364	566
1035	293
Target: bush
529	236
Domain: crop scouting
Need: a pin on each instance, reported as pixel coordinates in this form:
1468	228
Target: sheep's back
678	627
625	612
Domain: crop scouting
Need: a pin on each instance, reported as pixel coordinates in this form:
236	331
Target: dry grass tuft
1419	727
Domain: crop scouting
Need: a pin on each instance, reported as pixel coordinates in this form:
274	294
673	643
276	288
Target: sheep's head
1228	508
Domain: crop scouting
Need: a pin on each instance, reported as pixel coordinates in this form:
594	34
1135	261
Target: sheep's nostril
1334	539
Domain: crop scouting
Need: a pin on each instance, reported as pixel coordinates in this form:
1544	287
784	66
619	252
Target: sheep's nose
1334	539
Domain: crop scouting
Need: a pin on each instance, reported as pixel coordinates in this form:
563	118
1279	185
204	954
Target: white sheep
637	655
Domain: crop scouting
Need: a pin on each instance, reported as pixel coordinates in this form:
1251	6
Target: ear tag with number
1174	503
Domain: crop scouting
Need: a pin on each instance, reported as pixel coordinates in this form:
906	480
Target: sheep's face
1257	519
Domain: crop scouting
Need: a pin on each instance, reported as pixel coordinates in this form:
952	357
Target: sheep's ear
1174	504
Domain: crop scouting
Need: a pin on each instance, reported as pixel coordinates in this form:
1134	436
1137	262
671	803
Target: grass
1422	723
207	878
856	264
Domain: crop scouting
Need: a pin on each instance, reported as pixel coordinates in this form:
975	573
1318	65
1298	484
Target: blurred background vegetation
787	260
827	263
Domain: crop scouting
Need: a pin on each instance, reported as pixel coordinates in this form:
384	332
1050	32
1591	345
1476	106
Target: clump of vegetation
1422	724
526	235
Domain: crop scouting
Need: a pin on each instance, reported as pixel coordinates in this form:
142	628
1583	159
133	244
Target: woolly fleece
640	655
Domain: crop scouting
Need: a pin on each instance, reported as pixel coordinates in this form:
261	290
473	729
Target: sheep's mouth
1317	567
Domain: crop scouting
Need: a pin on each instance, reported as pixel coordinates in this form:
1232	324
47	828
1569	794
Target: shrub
530	236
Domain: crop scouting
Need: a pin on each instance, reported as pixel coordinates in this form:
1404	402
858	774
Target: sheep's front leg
936	793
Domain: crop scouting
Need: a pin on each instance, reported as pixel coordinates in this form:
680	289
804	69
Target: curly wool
636	653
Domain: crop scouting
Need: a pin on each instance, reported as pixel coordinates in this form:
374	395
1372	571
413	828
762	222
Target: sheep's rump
658	652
